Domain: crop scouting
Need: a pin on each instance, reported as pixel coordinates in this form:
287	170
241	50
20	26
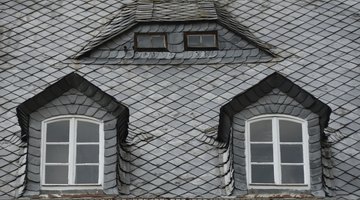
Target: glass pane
56	174
208	41
58	153
262	174
292	153
194	41
143	41
261	152
87	132
58	131
87	174
290	131
292	174
261	131
87	154
158	41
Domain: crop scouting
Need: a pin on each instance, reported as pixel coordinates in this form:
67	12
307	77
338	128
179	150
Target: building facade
180	99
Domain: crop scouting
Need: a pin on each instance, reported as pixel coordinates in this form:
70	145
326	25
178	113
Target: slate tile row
306	34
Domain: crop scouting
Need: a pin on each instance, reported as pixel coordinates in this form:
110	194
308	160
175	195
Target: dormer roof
253	94
73	81
170	11
152	11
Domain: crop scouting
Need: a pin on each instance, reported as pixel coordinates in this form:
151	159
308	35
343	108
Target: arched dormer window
277	152
54	123
271	116
72	152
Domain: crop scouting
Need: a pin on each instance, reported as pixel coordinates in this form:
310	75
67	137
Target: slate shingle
318	37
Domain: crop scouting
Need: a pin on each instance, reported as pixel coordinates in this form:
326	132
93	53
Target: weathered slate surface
174	109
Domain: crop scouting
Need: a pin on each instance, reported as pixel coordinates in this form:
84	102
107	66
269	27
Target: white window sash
73	119
277	153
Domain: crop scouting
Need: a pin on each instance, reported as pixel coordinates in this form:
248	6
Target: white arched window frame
66	154
276	162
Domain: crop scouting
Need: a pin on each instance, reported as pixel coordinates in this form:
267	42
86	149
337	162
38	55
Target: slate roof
174	110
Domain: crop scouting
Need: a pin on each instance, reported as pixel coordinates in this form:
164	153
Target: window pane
158	41
56	174
261	131
143	41
291	153
208	41
290	131
87	174
87	132
151	41
292	174
261	152
262	173
87	154
194	41
58	153
58	131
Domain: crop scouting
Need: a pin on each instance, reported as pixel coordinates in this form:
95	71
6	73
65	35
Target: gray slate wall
75	103
276	102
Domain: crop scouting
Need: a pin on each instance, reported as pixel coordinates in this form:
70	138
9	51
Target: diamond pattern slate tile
319	39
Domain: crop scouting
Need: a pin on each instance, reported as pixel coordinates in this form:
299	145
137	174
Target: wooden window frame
276	153
140	49
71	185
187	48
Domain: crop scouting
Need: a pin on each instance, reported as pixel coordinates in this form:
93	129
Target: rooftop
174	108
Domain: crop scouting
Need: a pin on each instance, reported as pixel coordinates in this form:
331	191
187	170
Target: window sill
283	195
201	48
278	187
75	196
56	188
138	49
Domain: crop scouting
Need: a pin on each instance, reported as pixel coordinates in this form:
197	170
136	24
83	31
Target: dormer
174	32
